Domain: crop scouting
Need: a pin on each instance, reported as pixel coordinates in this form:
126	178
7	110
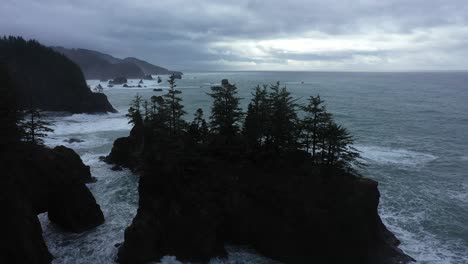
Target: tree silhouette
198	129
225	111
313	111
256	120
283	126
134	112
172	102
35	128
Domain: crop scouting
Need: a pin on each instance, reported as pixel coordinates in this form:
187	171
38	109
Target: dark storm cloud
211	34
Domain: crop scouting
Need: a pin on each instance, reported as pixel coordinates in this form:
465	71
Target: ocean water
412	130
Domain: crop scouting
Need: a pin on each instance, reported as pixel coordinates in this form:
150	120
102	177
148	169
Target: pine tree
225	111
35	128
256	119
146	111
198	128
159	116
134	112
174	107
283	126
337	148
310	123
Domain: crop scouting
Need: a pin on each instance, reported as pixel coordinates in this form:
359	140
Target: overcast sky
380	35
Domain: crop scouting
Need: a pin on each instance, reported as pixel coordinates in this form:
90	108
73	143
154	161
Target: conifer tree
159	116
225	111
146	110
310	123
134	112
256	120
35	128
198	128
283	125
174	107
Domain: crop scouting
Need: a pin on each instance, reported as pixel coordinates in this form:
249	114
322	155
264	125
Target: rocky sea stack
294	199
192	208
48	80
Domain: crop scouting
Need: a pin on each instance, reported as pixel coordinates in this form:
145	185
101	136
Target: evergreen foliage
35	128
271	126
48	79
313	119
226	114
173	106
257	118
134	112
198	129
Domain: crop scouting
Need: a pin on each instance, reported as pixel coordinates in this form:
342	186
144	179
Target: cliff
97	65
35	180
195	199
48	80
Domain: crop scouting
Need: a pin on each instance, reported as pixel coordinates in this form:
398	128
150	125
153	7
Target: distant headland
101	66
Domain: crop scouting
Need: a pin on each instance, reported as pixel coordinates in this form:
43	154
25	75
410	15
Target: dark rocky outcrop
283	206
148	77
126	151
21	231
48	80
97	65
118	81
34	180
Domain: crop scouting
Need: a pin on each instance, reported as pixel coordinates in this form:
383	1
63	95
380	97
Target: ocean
411	129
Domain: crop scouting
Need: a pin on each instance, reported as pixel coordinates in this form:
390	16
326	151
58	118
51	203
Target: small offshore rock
73	140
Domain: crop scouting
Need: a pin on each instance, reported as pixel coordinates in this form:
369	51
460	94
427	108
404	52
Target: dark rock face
36	180
48	80
118	81
126	151
148	77
21	232
191	208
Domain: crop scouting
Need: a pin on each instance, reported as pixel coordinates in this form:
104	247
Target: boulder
118	81
73	140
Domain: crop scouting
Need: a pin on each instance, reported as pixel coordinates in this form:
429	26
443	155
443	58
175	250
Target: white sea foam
236	255
422	245
90	141
385	155
85	123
